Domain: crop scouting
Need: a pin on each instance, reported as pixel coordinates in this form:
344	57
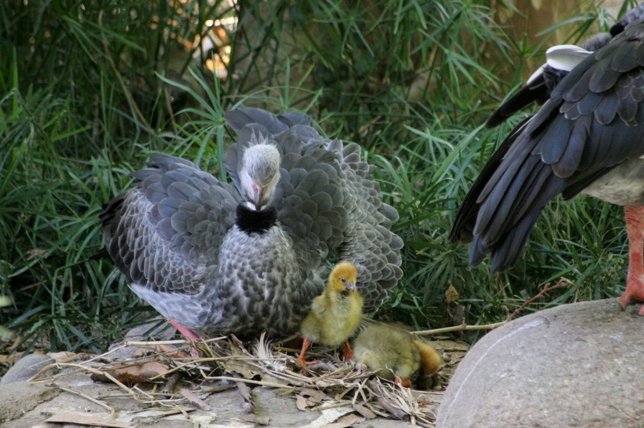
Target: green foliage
88	89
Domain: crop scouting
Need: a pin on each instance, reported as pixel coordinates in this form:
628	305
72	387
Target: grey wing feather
292	118
167	230
373	247
238	119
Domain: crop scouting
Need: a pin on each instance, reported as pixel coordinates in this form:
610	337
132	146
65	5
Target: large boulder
574	365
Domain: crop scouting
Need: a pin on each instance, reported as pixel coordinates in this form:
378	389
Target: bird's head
343	277
259	174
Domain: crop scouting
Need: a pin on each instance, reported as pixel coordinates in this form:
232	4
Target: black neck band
251	221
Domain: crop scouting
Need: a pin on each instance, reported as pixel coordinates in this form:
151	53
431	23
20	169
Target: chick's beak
351	285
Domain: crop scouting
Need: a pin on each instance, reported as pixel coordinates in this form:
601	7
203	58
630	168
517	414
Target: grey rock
19	398
574	365
156	328
228	405
278	409
26	367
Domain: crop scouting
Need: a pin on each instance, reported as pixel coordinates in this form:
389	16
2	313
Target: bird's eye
344	281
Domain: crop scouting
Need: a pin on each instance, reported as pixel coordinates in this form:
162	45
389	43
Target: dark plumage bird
217	259
588	137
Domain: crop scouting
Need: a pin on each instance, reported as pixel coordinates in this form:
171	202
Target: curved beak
259	196
264	197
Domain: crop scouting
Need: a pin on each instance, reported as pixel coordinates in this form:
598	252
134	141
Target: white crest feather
562	57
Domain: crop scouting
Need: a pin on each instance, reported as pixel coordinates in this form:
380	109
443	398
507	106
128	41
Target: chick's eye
344	280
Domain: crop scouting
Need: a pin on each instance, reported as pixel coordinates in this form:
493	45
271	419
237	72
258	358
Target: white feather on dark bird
560	60
218	259
588	137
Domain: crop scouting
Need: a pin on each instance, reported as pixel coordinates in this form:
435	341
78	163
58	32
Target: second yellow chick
335	314
395	353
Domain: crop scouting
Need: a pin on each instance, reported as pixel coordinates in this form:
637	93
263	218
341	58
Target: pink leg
635	278
185	332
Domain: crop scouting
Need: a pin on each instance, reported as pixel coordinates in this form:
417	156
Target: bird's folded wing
165	233
593	121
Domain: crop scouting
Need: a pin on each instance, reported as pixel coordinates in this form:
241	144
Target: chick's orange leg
348	352
305	345
634	292
402	382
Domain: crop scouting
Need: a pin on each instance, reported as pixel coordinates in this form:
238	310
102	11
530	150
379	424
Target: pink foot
406	382
634	293
185	332
635	278
188	335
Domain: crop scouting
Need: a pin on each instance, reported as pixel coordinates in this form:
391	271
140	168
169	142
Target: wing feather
587	127
169	225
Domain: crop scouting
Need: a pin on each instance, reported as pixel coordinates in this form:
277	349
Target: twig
87	397
192	397
107	375
104	355
145	344
332	405
251	381
360	391
169	342
462	327
562	283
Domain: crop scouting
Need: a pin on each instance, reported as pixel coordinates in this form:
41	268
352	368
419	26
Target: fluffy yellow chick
335	314
395	353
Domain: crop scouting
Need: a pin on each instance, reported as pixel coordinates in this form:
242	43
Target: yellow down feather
335	314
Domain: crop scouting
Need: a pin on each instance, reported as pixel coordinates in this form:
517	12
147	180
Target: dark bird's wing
592	123
463	227
535	91
541	83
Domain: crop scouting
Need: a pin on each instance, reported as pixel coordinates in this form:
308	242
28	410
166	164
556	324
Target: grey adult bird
588	137
215	258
